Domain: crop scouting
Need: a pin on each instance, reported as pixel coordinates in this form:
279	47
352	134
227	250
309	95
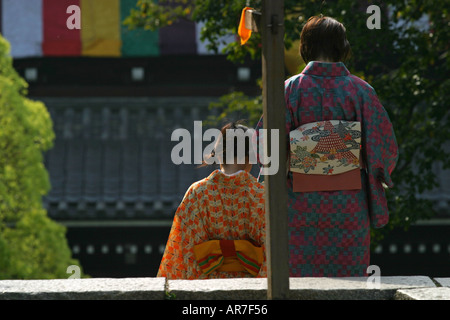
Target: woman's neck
233	168
323	59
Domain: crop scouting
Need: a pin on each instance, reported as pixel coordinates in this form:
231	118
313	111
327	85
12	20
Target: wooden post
272	33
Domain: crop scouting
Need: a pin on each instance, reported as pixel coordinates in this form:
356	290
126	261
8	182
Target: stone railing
388	288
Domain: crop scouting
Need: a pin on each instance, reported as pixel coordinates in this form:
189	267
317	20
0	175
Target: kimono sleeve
260	231
380	152
178	261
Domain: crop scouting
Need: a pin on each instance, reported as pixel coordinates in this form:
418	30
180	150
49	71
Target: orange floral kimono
218	230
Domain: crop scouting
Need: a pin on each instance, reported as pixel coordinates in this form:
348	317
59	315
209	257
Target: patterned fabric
229	255
325	147
219	207
329	231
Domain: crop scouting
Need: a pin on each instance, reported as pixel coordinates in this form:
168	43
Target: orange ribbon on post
243	32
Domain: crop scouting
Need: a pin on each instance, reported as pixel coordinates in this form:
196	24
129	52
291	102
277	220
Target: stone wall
390	288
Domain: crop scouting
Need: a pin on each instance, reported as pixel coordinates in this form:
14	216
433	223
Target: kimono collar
326	69
239	178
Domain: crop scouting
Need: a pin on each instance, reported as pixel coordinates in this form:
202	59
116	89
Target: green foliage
151	15
407	61
31	245
221	18
236	106
170	296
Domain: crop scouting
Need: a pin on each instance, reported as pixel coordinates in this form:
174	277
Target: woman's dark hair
232	132
324	37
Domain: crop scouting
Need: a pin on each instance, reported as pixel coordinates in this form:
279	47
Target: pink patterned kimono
329	231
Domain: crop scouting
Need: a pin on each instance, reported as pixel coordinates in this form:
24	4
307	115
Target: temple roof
112	157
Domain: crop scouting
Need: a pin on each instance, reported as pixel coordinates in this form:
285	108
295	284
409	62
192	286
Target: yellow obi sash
229	255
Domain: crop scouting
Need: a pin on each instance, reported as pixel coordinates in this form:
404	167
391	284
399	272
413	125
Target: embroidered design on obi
326	148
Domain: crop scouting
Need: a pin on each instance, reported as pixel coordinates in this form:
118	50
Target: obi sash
326	156
229	255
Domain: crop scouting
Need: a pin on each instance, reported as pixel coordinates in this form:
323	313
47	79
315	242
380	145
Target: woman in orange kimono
219	228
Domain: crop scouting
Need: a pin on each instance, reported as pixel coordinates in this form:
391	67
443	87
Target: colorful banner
136	43
59	40
100	28
178	38
38	28
22	26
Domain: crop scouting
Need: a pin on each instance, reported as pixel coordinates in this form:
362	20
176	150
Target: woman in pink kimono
342	153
